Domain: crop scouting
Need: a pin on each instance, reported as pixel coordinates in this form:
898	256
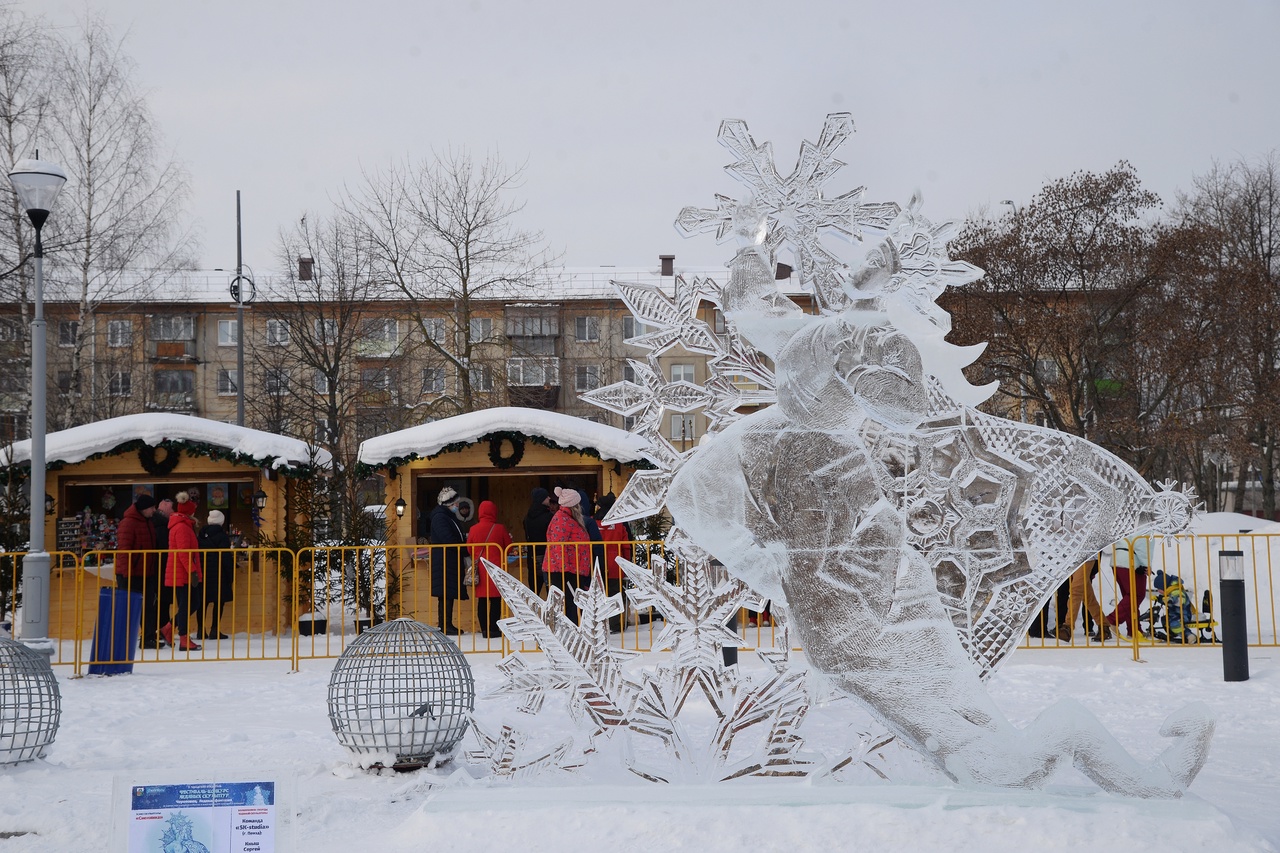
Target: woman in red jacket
489	540
613	533
182	575
568	567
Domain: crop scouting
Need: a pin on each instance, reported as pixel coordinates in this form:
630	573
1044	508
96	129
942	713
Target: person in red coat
488	540
182	574
620	536
568	567
138	571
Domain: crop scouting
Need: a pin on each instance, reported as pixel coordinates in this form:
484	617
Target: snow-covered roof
263	448
195	287
562	430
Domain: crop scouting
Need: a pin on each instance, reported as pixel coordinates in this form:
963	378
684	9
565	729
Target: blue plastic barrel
115	637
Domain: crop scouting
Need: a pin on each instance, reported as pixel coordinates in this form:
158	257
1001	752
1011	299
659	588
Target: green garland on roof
365	470
193	448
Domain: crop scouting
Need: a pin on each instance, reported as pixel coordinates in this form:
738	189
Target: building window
10	331
375	379
682	428
534	324
173	328
525	372
276	382
682	373
586	329
586	377
68	381
481	378
717	321
632	328
433	329
325	431
278	333
327	331
174	387
12	427
228	382
628	371
228	333
1046	370
120	384
481	329
68	331
320	382
629	422
119	333
379	337
12	382
433	380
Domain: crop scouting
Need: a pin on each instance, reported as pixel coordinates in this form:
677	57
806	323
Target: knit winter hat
144	501
567	497
186	507
447	494
540	494
216	517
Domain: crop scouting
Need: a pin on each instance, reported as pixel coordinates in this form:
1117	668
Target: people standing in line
160	527
1081	594
182	574
446	562
536	521
219	564
140	572
488	540
1132	559
613	533
568	566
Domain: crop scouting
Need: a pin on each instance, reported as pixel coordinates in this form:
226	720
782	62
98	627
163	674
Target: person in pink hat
568	566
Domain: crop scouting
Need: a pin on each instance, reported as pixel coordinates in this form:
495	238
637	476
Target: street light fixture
260	499
37	184
1009	202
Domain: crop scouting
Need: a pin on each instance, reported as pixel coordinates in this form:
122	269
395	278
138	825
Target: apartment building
337	372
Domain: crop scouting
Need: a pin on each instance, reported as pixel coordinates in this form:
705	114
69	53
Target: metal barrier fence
293	605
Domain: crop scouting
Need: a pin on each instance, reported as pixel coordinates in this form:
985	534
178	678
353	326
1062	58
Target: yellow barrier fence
280	604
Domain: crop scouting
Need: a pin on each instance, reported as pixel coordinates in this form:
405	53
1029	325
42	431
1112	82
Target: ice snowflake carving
911	537
754	724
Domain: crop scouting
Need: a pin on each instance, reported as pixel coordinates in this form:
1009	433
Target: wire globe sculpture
30	703
403	692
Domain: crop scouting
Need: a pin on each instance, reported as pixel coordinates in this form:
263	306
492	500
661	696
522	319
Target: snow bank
562	430
79	443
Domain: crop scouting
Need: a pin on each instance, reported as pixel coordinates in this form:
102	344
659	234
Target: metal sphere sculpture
401	692
30	703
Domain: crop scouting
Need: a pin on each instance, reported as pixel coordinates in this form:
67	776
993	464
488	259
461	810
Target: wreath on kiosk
158	467
495	451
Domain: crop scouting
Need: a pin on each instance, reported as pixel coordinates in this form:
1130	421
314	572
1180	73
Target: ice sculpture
753	729
911	537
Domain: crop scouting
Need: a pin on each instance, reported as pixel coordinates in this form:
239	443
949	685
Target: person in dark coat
220	573
536	521
446	562
140	572
593	530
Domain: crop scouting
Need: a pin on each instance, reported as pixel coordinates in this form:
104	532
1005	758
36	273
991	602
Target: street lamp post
37	184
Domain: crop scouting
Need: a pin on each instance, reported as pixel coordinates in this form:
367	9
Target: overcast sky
613	108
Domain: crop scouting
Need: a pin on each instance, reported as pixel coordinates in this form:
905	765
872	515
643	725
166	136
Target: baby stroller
1172	616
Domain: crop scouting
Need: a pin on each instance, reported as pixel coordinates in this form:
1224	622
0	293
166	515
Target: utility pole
239	294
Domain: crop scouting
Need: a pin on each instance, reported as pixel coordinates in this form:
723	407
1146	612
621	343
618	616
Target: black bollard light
1235	638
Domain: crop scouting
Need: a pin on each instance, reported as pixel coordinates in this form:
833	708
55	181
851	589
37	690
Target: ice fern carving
755	723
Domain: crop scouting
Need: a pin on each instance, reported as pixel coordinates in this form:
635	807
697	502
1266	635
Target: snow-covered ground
195	720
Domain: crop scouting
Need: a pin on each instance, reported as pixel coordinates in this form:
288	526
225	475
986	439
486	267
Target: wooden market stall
95	472
500	454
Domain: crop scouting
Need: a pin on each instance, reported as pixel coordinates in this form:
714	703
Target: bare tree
1236	210
1067	282
118	220
444	234
318	335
